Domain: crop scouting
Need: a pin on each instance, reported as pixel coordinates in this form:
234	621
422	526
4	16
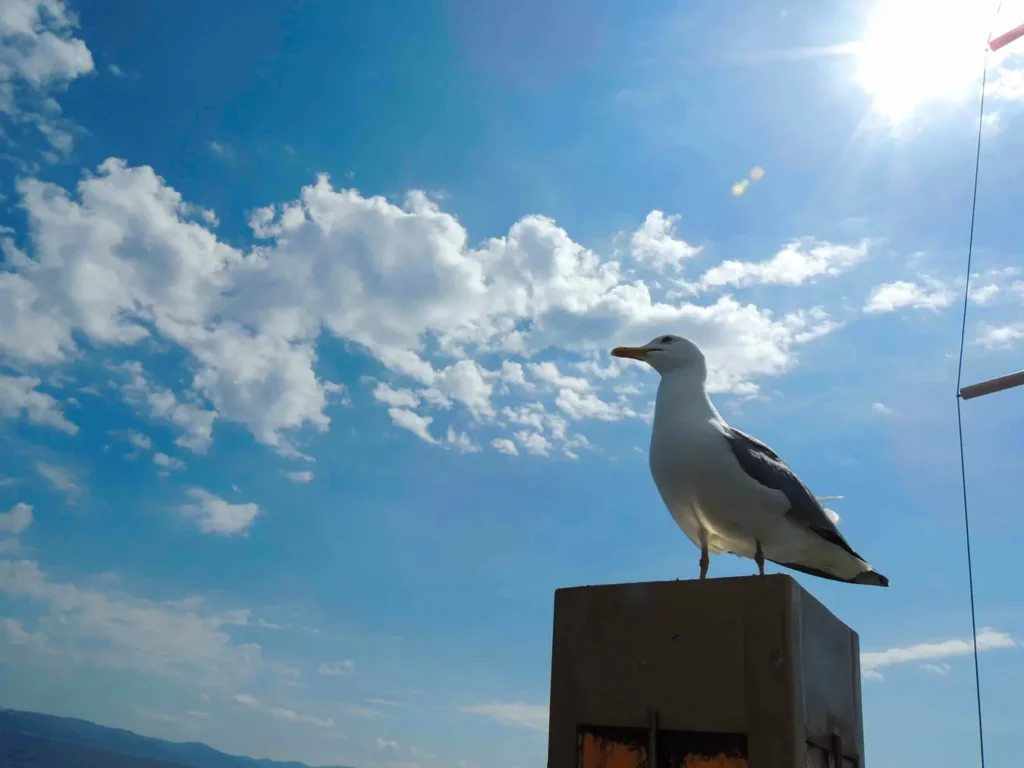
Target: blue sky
306	406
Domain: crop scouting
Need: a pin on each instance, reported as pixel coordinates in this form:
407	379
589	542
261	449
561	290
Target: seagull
728	491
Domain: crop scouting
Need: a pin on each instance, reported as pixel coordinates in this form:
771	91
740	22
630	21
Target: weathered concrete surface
756	660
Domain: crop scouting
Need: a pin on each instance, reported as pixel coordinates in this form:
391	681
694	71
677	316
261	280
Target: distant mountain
18	750
46	741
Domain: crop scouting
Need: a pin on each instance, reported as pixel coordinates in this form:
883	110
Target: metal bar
836	750
1006	38
652	739
1008	381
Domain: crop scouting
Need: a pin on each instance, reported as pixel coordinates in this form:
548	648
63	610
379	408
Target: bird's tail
873	578
869	576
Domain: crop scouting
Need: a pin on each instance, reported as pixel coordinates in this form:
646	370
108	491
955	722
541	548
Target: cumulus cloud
655	243
137	439
798	262
1007	84
19	396
112	629
1000	336
901	294
548	373
36	43
39	55
189	416
504	445
397	398
589	406
126	259
533	442
461	442
164	461
299	477
215	515
346	667
418	425
983	294
16	519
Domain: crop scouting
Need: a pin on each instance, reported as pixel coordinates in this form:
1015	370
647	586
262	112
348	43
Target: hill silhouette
47	741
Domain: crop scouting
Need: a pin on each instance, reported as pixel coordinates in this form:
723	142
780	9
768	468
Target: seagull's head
668	354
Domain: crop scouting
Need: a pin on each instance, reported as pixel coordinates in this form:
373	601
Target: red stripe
1006	38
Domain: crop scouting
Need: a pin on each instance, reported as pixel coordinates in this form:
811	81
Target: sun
919	51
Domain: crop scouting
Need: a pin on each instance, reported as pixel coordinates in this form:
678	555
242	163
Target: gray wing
762	464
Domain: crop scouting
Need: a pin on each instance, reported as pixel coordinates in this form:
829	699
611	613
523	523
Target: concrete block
728	672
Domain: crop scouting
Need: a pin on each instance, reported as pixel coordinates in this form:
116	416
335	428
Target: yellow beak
634	353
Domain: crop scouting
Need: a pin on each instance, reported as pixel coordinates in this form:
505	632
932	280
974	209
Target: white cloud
36	43
220	149
533	442
138	439
291	716
16	519
299	477
988	639
461	442
346	667
881	409
983	294
1000	337
38	55
467	383
889	297
387	744
190	417
128	258
548	373
281	713
798	262
397	398
14	631
59	477
112	629
18	395
1007	85
504	445
589	406
218	516
164	461
534	716
418	425
655	243
937	669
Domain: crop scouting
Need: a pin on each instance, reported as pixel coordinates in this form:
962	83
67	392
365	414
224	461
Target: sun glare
918	51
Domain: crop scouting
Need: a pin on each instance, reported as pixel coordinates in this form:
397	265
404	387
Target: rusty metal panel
607	750
606	747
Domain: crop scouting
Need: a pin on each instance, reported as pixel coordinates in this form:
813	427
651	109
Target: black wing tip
871	578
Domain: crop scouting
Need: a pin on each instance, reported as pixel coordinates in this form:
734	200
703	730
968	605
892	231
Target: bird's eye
666	340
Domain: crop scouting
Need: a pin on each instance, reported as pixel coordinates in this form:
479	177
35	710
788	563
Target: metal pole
1008	381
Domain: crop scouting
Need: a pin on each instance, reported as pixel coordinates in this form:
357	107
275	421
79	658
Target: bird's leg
759	559
705	561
